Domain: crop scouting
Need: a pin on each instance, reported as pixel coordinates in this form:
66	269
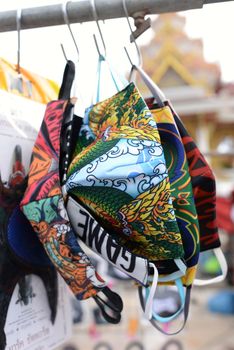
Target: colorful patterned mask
43	205
203	185
21	253
181	189
119	176
204	190
184	206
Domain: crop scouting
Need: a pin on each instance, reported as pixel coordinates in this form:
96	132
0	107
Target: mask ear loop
224	269
174	342
185	311
167	319
149	302
121	80
175	275
113	302
153	88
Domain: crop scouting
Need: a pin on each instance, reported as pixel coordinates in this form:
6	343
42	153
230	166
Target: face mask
21	252
124	162
183	203
181	189
204	191
119	179
44	206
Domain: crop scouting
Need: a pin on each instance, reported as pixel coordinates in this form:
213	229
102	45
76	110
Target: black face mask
21	253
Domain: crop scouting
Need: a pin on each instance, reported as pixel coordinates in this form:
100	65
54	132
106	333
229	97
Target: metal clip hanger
140	22
141	25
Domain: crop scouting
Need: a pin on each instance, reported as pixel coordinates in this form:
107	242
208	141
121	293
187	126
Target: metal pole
80	11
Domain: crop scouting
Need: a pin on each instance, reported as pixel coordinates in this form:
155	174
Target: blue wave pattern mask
118	174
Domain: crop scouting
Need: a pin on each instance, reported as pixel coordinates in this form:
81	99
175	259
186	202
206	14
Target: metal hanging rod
80	11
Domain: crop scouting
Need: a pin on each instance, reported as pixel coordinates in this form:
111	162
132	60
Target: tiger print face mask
44	206
21	253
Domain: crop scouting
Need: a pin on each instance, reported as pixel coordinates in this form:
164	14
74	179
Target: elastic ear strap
135	345
112	76
167	319
224	268
102	346
99	71
174	342
114	318
177	274
150	298
68	78
185	313
113	302
121	78
154	89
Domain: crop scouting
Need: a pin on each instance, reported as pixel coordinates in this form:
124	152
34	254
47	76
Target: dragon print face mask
120	176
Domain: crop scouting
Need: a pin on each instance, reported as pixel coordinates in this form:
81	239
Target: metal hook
64	53
95	16
133	37
129	58
97	47
66	20
18	27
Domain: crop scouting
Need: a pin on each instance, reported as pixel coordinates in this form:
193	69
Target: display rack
80	11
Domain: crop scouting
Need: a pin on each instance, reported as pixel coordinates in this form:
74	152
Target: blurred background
189	55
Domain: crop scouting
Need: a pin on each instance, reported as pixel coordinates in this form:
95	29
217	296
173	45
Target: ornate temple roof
173	59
